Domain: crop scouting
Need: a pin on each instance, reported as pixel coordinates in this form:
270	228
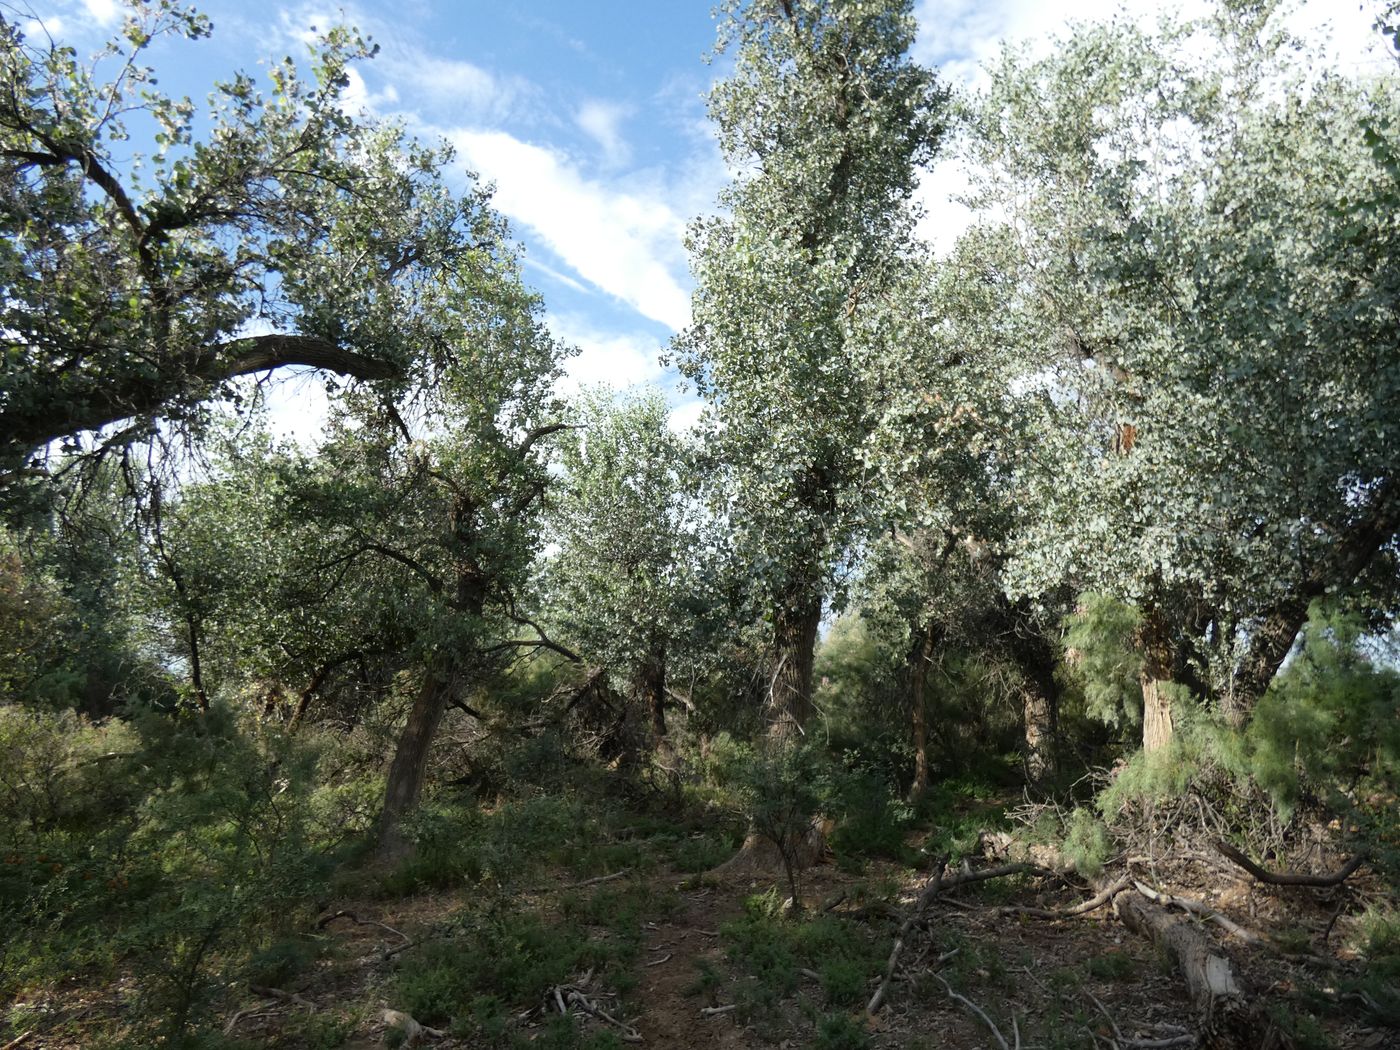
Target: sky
589	118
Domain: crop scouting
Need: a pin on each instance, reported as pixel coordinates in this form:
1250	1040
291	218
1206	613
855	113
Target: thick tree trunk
651	689
919	659
794	648
1037	659
789	705
1156	681
406	773
1038	712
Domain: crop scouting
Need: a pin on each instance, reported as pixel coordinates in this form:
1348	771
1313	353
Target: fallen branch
597	879
286	997
18	1040
577	996
1093	903
1291	878
326	920
713	1011
1204	911
926	897
657	962
977	1010
1229	1017
409	1028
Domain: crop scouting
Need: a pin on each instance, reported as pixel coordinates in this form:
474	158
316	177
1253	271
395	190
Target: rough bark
1229	1016
920	656
406	773
1039	717
33	425
651	688
794	648
1156	681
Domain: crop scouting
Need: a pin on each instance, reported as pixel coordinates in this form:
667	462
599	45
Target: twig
326	920
1160	1044
18	1040
657	962
287	997
1117	1032
1093	903
712	1011
926	897
974	1008
1291	878
600	878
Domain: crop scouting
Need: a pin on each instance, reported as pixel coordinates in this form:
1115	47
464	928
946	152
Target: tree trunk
1039	713
406	773
1156	681
1037	659
920	656
1230	1018
794	647
651	689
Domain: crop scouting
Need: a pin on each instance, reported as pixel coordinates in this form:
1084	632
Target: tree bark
1156	681
1038	713
406	773
920	656
1230	1018
651	688
794	648
30	426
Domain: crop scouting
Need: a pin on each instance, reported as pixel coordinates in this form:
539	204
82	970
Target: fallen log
1229	1016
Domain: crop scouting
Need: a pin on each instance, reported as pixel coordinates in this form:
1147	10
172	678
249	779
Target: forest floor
653	955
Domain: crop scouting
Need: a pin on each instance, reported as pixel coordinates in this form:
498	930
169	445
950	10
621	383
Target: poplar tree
825	121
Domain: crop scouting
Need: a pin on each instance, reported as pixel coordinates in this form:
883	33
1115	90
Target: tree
286	233
827	121
1203	268
619	582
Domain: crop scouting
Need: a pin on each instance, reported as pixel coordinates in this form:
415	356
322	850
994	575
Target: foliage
827	121
134	276
194	848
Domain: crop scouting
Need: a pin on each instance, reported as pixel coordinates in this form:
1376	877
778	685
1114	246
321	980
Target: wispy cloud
624	241
617	360
104	12
601	121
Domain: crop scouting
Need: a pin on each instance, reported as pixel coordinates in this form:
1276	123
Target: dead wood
1291	878
1101	898
973	1008
411	1031
1230	1018
287	997
926	897
597	879
326	920
1229	925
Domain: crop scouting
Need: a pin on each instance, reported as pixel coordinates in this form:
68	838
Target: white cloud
685	416
628	242
617	360
600	121
49	25
104	12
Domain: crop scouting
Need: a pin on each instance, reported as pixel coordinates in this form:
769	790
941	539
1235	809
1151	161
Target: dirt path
667	994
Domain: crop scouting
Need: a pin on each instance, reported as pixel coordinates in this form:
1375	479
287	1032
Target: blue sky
589	117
